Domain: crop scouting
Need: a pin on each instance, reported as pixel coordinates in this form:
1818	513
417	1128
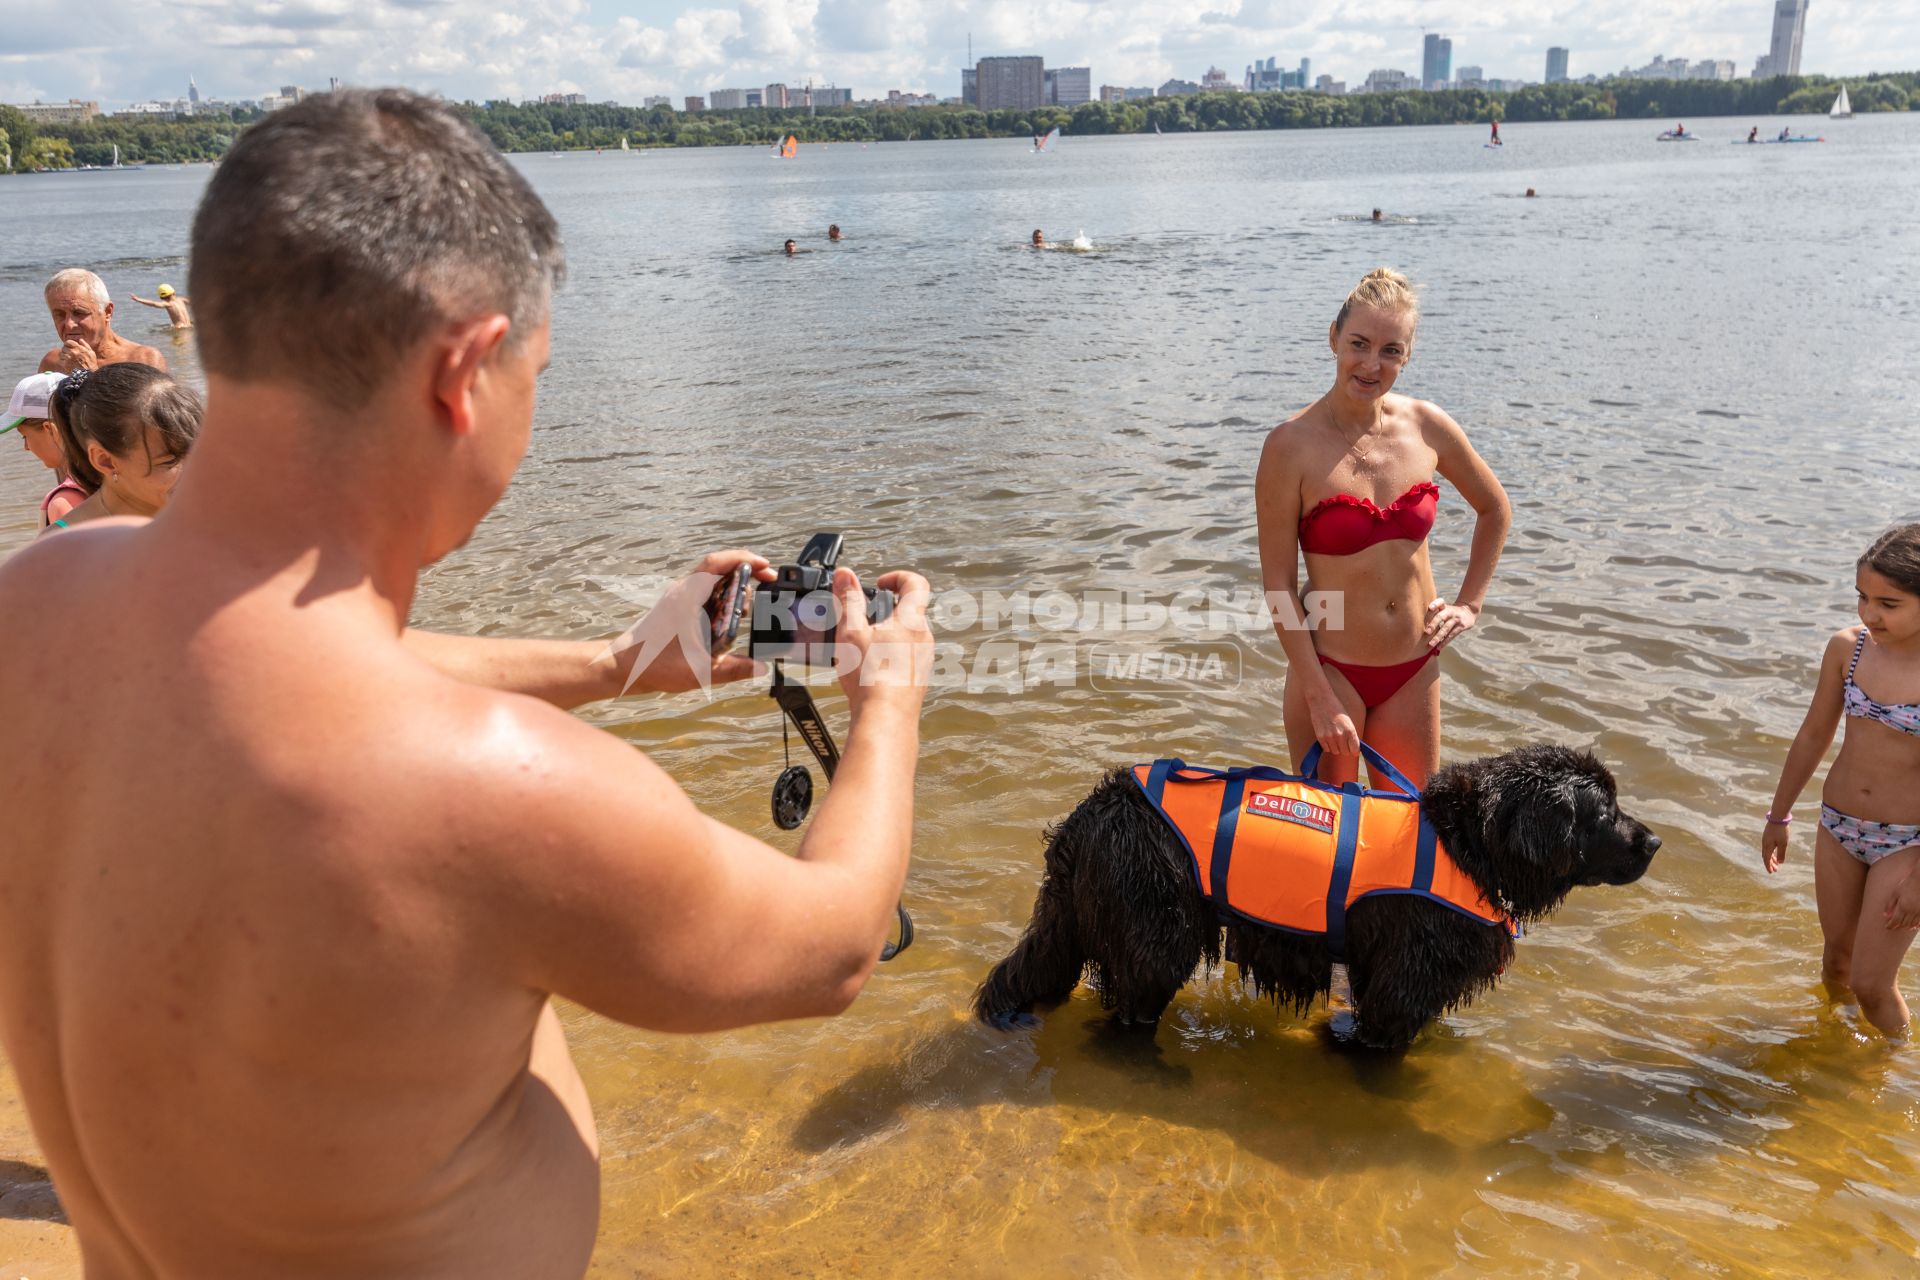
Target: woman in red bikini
1348	481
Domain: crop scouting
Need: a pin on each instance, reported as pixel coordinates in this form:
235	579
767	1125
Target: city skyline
628	50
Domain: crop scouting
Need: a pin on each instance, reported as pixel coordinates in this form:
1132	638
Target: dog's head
1535	823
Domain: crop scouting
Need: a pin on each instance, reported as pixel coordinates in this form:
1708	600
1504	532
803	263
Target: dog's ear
1530	812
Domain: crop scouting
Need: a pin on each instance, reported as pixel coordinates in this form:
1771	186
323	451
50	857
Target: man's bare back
284	893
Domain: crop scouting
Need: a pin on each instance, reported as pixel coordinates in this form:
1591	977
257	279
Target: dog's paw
1011	1020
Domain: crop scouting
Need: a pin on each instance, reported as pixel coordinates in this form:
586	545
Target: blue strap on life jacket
1423	854
1380	765
1230	797
1346	842
1156	787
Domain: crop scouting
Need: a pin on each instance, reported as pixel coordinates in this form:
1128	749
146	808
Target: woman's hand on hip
1448	622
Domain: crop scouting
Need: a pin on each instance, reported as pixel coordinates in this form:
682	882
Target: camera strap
799	707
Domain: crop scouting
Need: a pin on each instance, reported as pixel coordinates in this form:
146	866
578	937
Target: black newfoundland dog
1120	895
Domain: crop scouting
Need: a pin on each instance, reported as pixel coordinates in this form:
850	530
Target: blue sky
120	51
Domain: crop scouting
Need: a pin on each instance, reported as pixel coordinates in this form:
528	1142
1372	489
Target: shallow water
1693	369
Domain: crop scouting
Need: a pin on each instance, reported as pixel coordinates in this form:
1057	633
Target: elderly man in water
82	312
279	927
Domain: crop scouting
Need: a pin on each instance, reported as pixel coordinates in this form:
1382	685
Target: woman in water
1348	481
126	429
1868	845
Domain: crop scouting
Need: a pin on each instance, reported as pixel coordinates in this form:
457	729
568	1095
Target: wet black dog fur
1119	902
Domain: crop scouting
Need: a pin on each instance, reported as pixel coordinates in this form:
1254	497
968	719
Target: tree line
545	127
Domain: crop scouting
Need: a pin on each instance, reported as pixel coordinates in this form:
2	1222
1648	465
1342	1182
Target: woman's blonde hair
1382	287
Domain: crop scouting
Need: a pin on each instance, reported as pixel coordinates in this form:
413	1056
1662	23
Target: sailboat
1041	144
1842	109
116	155
623	143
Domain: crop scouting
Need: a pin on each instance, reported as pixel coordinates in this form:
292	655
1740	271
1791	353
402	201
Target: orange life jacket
1295	853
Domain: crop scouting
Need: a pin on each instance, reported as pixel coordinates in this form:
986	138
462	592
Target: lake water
1693	367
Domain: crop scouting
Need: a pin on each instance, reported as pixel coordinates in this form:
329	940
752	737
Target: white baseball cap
32	398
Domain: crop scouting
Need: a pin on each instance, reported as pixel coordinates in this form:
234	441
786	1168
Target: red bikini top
1344	525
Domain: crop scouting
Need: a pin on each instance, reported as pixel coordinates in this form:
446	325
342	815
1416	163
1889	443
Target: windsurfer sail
1041	144
789	149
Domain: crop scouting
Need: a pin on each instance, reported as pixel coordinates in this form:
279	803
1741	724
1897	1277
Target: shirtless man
82	311
170	302
278	927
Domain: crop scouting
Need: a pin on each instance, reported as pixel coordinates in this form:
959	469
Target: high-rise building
728	99
1388	80
1327	84
1471	78
1017	83
756	98
774	95
193	95
1068	86
658	100
1436	62
1215	81
1306	72
696	103
970	86
1789	27
1556	65
1112	93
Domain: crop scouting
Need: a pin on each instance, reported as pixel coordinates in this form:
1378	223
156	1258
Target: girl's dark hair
1895	556
113	405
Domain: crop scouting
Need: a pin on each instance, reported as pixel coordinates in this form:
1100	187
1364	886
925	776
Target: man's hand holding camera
891	659
669	650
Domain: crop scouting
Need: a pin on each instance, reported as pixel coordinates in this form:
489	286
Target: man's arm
604	884
566	673
572	673
147	302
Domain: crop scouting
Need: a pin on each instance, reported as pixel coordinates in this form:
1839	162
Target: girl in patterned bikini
1348	481
1868	845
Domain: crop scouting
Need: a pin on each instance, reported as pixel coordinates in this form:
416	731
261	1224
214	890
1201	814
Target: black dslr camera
796	616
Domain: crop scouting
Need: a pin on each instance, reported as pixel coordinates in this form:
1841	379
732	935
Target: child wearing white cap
29	410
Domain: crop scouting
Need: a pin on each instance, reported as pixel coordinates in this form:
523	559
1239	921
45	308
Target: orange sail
790	148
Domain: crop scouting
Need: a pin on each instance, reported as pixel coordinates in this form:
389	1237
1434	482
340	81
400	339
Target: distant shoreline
534	127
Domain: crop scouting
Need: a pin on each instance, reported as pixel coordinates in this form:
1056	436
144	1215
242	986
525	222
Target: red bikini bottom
1376	684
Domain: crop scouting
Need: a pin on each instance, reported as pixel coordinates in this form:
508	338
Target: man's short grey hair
341	231
80	280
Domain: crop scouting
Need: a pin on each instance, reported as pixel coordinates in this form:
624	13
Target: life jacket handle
1381	766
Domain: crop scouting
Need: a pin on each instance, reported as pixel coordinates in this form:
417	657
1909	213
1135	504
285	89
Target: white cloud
467	48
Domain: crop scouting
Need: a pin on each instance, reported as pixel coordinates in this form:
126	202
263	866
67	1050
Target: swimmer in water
1753	134
1039	241
790	249
1530	193
833	232
1376	215
170	302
